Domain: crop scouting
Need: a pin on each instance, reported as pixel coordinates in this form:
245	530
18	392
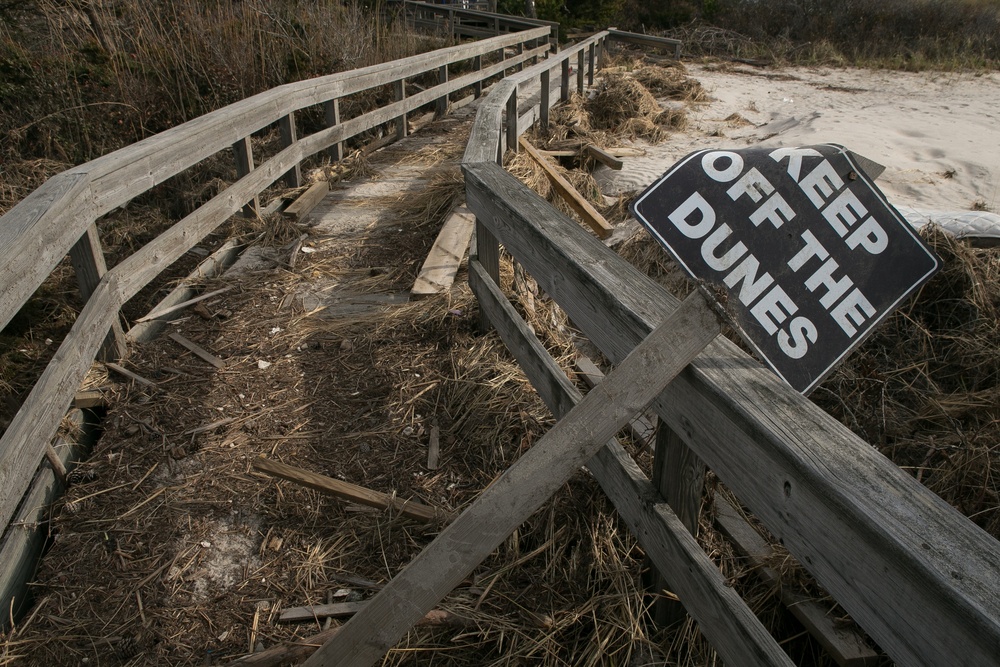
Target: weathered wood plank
243	154
36	423
319	611
665	43
441	265
212	266
37	233
914	573
87	257
289	134
844	644
197	350
307	201
605	157
641	428
350	492
522	489
723	616
166	310
576	201
129	375
23	542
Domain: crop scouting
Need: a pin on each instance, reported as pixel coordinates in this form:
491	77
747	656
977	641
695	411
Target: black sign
809	251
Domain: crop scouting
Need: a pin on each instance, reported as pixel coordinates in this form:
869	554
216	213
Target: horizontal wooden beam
918	576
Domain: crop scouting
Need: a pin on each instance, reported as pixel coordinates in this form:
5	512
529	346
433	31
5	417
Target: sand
937	133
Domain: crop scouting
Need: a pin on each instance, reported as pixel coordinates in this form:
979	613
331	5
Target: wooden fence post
88	262
519	49
601	52
442	102
579	71
477	87
512	121
332	112
400	87
289	135
564	82
543	108
243	152
679	476
590	65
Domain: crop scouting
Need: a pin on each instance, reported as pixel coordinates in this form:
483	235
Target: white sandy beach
937	133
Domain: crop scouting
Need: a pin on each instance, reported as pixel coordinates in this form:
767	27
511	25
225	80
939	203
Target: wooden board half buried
439	269
198	350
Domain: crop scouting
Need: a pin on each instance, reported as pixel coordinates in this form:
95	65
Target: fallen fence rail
60	216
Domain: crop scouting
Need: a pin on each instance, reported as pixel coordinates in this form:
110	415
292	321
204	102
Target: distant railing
456	21
60	216
919	577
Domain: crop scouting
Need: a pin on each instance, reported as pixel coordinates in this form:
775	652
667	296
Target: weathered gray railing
459	22
918	576
60	217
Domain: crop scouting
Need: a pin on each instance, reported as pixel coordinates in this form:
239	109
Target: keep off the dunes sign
810	253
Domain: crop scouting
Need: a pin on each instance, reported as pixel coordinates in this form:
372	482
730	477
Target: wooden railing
918	576
455	21
60	216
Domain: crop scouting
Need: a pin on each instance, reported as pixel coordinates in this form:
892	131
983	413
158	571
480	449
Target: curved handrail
61	210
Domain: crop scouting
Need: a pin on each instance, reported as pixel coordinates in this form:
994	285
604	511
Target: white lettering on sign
711	246
813	248
773	309
852	312
794	156
820	183
823	277
753	184
735	168
695	203
795	342
870	236
746	272
775	210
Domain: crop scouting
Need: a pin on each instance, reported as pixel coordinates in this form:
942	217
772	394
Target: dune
936	133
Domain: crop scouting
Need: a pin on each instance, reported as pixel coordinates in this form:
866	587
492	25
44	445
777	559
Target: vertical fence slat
590	65
579	71
564	81
243	153
512	121
331	110
442	102
289	135
544	102
477	87
400	91
87	258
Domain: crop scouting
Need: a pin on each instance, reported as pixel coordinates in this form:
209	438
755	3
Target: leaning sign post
810	255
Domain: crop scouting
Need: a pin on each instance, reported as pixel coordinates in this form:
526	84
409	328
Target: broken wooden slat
642	427
350	492
439	269
290	654
126	373
307	201
603	156
576	201
434	448
524	487
622	151
334	610
89	398
844	644
180	306
198	350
